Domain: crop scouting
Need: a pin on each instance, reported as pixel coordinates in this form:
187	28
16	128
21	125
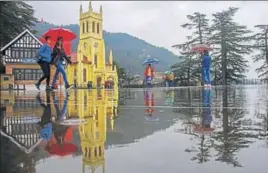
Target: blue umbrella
150	61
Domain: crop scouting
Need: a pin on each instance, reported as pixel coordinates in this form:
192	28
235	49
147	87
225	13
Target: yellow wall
91	45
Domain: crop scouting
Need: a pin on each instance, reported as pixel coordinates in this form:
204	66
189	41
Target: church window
98	28
83	28
85	75
96	60
87	26
93	27
99	151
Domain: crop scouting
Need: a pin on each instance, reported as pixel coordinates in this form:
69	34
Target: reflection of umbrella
202	130
62	149
150	61
199	48
151	118
54	33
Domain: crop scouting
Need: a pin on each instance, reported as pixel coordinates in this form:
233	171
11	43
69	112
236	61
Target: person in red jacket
149	74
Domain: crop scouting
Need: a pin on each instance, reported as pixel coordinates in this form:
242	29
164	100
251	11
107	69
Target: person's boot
48	88
37	85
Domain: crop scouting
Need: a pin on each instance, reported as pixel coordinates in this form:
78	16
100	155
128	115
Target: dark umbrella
54	33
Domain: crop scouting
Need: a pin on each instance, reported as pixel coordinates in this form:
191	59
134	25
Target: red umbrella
199	48
54	33
62	149
202	130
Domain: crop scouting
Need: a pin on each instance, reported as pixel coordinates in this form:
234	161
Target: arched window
84	74
87	26
93	27
96	60
98	28
83	28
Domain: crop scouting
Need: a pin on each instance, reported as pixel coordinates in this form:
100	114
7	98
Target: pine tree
261	45
190	66
231	43
16	16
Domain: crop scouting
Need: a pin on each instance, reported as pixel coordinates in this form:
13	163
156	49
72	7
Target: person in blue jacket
44	53
206	62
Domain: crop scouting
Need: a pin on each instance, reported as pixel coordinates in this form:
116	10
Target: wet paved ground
155	131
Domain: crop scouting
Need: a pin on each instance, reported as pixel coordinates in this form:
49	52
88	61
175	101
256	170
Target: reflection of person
149	103
58	58
60	114
45	123
44	53
60	131
149	74
206	62
206	114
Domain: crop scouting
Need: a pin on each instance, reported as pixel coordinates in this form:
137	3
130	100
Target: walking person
206	62
58	58
44	53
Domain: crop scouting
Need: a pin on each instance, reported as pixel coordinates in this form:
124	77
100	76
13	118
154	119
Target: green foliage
128	51
121	72
16	16
261	46
231	43
189	70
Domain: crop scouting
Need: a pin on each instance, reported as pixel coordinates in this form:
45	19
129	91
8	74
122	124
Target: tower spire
81	9
90	6
111	57
101	9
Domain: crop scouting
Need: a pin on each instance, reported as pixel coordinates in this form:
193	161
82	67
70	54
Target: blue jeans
60	69
148	81
60	113
206	75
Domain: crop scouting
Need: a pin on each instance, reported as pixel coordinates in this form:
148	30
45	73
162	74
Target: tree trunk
266	45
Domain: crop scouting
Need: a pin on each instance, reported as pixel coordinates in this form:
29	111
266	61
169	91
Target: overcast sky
157	22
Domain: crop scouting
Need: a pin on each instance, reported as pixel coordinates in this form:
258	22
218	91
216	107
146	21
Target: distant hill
128	50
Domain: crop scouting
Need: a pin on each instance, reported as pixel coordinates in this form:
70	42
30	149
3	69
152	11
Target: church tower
90	65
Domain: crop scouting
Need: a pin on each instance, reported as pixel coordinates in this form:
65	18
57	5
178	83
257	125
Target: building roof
18	37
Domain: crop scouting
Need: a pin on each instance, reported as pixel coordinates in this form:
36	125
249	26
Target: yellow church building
90	63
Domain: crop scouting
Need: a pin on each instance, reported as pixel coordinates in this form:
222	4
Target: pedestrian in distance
206	62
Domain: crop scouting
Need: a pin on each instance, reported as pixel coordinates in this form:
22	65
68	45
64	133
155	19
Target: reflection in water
234	135
149	103
203	128
222	134
98	106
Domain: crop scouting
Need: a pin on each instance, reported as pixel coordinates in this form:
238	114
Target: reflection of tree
203	151
233	137
204	144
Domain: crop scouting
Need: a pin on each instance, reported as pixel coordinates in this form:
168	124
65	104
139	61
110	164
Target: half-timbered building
19	57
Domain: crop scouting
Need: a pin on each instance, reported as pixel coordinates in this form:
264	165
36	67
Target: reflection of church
96	107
